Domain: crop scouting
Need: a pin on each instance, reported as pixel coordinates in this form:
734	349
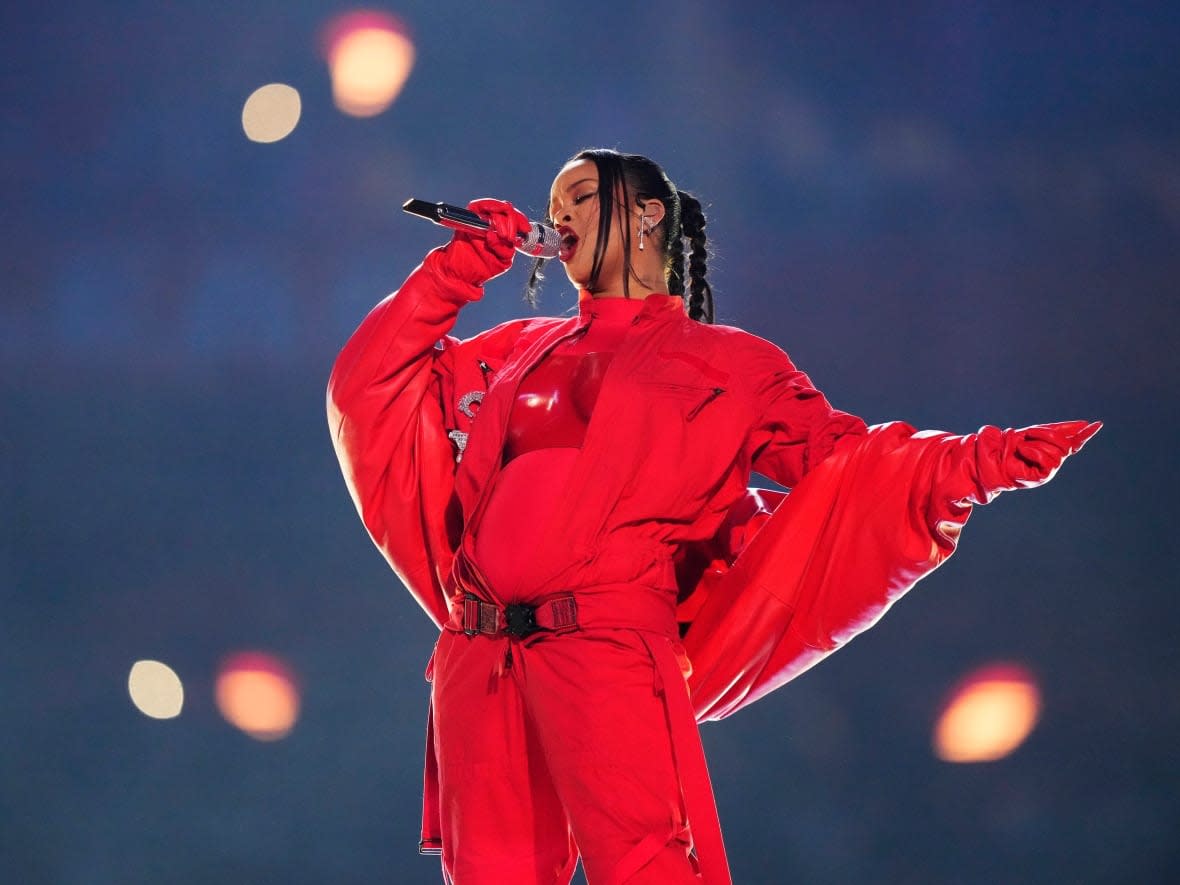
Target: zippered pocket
712	395
699	395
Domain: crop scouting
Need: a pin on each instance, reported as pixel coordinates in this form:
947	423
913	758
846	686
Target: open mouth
569	244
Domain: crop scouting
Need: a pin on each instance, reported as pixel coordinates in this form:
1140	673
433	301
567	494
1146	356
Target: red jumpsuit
643	519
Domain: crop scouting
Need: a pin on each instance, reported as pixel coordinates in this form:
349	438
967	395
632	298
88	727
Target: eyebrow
572	186
576	183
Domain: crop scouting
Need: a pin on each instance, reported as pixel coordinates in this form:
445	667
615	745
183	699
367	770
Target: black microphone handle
446	215
540	242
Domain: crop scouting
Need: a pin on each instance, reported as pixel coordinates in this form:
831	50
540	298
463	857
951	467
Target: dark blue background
951	213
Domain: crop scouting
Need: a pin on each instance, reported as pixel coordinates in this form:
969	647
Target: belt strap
694	772
553	615
602	606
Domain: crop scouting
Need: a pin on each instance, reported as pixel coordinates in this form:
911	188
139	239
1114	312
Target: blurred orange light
989	714
369	56
256	692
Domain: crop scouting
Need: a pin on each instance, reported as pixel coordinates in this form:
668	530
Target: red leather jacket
764	585
685	413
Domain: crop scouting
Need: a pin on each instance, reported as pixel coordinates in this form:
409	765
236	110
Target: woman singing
567	500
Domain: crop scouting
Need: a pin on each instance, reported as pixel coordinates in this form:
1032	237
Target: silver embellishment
460	440
467	399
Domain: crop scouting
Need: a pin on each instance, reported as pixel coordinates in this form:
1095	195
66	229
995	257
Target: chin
580	281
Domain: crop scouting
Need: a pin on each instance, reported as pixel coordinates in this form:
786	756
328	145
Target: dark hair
641	179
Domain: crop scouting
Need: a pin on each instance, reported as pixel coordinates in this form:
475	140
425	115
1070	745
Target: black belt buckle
520	620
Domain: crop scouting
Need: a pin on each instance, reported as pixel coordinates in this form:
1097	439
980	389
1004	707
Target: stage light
271	113
988	714
256	692
155	690
369	55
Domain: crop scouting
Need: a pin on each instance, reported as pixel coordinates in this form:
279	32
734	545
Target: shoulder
737	350
751	365
502	339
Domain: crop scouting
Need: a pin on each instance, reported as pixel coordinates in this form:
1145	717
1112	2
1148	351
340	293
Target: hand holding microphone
486	235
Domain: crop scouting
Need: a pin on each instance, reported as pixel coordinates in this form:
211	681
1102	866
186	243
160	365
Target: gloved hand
993	460
478	256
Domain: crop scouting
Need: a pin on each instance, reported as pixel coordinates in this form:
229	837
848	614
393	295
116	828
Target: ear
653	213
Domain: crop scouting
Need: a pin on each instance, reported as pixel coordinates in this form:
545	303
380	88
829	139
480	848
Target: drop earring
642	230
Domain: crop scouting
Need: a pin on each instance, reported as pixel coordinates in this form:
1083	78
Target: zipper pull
696	410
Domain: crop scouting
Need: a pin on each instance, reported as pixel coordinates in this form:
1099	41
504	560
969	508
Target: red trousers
557	745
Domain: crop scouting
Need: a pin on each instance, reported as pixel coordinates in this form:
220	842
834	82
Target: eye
583	198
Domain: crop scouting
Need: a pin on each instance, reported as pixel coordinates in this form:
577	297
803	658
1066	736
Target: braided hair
641	179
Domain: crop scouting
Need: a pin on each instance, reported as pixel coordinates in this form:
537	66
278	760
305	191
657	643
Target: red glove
993	460
478	256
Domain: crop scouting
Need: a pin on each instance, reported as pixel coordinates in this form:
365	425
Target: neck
638	293
647	279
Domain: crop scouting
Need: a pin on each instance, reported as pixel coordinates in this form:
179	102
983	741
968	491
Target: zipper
696	410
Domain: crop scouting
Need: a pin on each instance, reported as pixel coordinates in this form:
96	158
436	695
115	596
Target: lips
569	243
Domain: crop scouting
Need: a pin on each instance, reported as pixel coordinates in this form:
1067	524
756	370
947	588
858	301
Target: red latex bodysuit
643	515
546	428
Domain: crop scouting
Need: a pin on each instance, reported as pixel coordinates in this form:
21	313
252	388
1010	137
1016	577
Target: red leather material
656	496
547	423
554	403
507	546
852	538
475	257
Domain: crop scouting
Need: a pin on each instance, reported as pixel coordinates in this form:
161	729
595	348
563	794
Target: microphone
541	241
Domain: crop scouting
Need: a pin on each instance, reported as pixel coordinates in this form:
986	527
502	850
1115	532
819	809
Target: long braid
675	239
692	223
640	179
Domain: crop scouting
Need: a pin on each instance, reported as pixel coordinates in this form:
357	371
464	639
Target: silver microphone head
541	242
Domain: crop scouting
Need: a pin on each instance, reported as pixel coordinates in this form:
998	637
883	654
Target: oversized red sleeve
797	426
871	512
848	541
884	510
386	416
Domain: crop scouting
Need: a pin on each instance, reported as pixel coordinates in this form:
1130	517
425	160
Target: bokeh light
256	692
155	689
369	55
988	714
271	113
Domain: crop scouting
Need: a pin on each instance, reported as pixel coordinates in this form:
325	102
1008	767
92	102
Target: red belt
603	606
555	615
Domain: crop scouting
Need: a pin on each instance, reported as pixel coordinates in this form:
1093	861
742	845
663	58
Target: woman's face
573	209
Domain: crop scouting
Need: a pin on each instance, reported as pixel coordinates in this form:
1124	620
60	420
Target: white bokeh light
155	690
271	113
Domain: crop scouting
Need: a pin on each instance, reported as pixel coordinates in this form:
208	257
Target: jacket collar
656	304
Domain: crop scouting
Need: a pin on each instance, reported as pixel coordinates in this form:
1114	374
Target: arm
976	467
884	510
385	404
848	542
797	427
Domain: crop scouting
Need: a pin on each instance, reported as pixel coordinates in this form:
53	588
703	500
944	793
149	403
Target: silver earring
642	230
